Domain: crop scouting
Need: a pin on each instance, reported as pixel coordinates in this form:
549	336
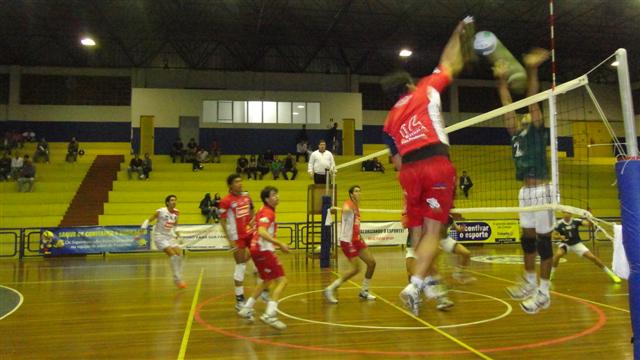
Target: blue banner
93	240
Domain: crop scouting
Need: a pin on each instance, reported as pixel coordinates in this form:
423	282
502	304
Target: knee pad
543	244
528	244
238	273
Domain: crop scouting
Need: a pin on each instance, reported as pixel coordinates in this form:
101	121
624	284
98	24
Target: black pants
465	190
293	172
319	179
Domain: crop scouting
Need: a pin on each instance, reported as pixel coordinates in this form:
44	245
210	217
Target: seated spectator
177	150
147	166
215	152
16	165
27	176
135	165
302	149
268	157
17	139
192	149
252	169
276	168
29	136
207	208
203	155
5	166
195	165
289	166
42	151
372	165
242	164
72	150
263	167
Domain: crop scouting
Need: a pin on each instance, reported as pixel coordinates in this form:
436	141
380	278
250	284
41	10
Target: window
260	112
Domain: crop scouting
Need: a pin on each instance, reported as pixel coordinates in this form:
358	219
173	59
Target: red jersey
350	222
236	209
266	219
415	121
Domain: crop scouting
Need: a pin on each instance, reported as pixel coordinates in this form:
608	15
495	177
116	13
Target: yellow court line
554	292
187	329
455	340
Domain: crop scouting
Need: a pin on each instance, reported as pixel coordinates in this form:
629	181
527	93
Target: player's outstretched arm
500	71
451	58
532	62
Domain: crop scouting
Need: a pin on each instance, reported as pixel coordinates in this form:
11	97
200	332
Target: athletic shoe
410	297
246	313
434	290
330	296
463	278
364	295
273	322
239	305
265	296
181	284
521	291
443	303
536	303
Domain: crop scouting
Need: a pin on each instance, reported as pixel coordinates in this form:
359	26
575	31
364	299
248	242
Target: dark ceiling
318	36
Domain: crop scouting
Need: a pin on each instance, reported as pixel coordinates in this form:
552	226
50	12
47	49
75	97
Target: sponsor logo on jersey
433	203
412	130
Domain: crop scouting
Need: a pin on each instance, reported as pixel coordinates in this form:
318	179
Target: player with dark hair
353	248
414	132
164	233
263	247
236	215
529	150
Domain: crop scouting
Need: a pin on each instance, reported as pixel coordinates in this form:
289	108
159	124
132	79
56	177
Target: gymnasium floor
126	307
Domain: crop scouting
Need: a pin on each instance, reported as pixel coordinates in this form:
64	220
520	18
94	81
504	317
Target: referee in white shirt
320	161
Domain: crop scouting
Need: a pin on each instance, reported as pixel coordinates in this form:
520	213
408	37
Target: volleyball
485	43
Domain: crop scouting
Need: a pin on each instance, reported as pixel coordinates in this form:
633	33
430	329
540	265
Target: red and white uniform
236	209
350	240
416	122
163	230
263	251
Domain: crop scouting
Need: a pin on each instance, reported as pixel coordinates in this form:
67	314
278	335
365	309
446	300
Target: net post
553	140
627	103
325	235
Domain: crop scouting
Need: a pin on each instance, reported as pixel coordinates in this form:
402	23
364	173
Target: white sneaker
443	303
410	297
239	305
364	295
330	296
273	322
246	313
521	291
434	290
536	303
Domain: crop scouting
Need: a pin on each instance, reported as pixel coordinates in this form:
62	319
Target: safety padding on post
325	243
628	174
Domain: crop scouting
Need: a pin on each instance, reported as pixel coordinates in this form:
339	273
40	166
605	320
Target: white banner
202	237
383	233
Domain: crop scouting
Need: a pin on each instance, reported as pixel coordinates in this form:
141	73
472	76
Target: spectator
135	165
195	165
333	137
72	150
207	208
215	152
268	157
42	151
465	184
263	167
16	165
372	165
5	166
289	166
27	176
17	139
276	168
252	169
177	149
6	142
320	161
192	148
302	149
147	166
242	164
302	135
202	155
29	136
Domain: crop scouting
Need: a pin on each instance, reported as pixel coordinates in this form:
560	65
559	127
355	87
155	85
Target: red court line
602	319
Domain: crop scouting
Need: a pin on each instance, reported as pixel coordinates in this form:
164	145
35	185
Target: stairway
88	203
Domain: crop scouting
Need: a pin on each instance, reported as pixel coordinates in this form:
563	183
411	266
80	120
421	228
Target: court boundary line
554	292
443	333
17	306
192	311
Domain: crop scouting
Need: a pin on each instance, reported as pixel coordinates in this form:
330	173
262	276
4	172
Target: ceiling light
87	41
615	63
300	106
405	53
295	113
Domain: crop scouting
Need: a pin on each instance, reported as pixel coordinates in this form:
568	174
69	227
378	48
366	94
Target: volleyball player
164	233
566	230
529	140
236	218
263	246
353	248
414	133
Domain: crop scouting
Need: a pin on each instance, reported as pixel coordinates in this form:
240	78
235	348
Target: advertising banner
383	233
202	237
491	231
93	240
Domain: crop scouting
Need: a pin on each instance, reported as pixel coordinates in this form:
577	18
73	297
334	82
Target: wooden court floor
126	307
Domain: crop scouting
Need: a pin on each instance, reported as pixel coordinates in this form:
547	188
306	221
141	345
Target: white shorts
542	221
163	241
447	245
578	249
